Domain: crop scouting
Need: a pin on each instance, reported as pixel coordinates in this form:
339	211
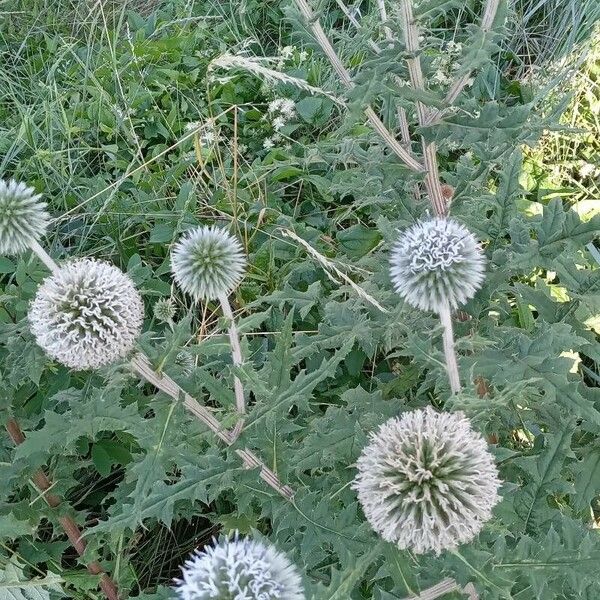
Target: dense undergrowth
136	123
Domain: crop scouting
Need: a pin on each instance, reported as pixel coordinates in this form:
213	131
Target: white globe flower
208	263
86	315
23	217
435	263
239	569
426	481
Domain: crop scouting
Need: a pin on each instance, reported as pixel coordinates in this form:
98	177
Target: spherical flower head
426	481
86	315
437	263
208	263
239	569
164	310
23	217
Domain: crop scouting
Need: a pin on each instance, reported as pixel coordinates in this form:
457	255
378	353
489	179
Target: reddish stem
74	533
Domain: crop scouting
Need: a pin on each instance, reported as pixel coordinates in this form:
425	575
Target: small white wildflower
288	107
268	143
275	105
192	126
278	123
23	217
454	47
303	56
164	310
586	170
208	262
426	481
287	52
239	569
86	315
441	78
437	262
242	148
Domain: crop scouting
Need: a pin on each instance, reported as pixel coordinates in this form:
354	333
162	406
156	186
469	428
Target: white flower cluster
23	217
86	315
426	481
446	63
279	111
239	569
437	262
208	263
287	54
208	133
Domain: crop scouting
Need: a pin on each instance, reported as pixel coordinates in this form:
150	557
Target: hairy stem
236	356
411	40
43	255
141	365
71	529
449	352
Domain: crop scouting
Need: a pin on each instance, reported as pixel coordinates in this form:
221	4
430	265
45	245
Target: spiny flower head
23	217
164	310
239	569
437	262
86	315
208	262
426	481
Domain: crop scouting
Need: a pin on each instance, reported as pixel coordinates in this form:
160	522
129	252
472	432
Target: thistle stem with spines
449	351
236	356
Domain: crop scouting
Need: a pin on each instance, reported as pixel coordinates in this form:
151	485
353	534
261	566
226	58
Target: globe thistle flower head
208	262
435	263
164	310
23	217
426	481
86	315
239	569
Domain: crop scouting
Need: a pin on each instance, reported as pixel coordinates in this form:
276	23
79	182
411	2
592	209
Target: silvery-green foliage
23	217
426	481
86	315
208	262
437	262
239	569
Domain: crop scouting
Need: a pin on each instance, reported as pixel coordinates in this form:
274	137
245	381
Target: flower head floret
239	569
426	481
87	314
435	263
208	263
23	217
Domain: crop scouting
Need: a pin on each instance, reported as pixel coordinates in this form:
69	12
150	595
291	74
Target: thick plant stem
43	255
236	356
71	529
449	351
142	367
